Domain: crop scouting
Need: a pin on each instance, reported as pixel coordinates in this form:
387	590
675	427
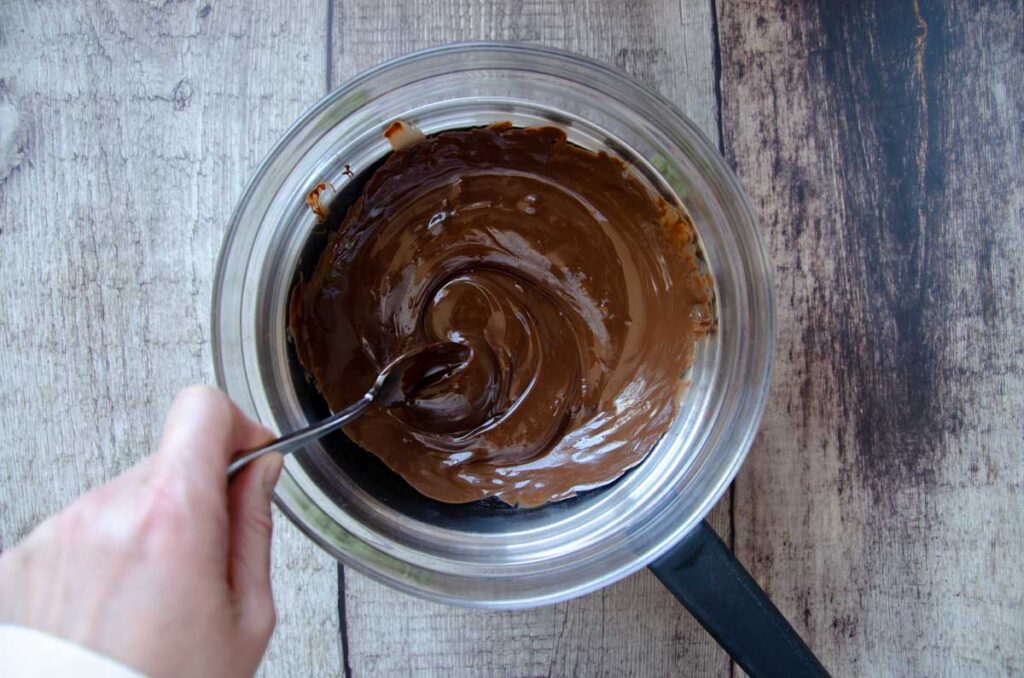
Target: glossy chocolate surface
579	294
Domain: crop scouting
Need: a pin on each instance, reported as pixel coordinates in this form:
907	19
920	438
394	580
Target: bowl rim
708	151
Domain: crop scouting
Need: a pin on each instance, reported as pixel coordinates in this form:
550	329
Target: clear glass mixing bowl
487	554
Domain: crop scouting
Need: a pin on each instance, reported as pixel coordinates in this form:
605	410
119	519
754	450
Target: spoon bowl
424	366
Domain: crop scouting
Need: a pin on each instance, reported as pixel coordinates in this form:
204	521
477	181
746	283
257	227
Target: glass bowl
487	554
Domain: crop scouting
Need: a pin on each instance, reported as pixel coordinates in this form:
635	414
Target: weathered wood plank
143	122
667	44
882	148
634	628
881	143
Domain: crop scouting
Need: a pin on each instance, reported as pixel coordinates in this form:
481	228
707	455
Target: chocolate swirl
579	294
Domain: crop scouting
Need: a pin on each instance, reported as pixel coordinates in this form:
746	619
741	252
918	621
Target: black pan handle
708	580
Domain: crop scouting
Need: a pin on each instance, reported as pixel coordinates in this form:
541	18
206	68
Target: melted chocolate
579	295
407	380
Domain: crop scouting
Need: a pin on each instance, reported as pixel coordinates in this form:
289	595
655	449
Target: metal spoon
396	383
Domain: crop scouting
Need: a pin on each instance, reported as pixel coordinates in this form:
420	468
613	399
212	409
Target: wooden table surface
881	144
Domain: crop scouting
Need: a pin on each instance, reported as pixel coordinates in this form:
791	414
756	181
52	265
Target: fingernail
272	471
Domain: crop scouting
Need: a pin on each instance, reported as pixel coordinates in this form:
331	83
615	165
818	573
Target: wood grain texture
666	44
143	122
881	143
633	628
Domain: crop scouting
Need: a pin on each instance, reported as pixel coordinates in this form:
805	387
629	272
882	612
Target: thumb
249	562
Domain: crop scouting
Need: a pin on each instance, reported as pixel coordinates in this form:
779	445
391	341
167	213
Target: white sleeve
27	653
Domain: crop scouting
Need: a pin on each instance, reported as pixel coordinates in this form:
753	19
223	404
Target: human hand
165	568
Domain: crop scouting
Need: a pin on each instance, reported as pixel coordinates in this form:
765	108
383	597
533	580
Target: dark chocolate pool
579	293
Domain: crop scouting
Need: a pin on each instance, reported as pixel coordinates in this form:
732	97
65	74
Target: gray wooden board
142	124
881	146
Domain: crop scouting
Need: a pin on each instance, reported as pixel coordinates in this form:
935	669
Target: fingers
203	430
249	560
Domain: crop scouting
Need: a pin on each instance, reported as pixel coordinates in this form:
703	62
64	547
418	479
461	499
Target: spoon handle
287	444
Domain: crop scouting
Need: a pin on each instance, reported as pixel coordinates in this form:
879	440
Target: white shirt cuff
27	653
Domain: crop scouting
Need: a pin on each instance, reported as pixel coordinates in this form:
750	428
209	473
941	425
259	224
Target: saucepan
488	554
